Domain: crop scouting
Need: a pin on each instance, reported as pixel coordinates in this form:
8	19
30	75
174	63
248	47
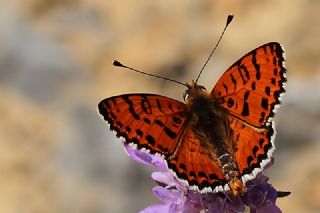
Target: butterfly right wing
150	122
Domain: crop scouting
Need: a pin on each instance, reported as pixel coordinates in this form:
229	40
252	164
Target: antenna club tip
117	63
229	19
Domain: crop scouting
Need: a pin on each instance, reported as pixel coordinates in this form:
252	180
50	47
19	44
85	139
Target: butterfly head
193	90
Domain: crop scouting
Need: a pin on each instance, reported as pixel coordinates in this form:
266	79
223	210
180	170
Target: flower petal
145	158
166	195
215	203
235	204
164	177
272	194
137	155
268	208
159	163
194	202
156	208
178	205
255	198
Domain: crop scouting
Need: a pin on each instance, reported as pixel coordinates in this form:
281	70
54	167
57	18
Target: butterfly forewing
251	88
151	122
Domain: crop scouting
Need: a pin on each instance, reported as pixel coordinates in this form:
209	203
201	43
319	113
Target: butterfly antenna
229	19
119	64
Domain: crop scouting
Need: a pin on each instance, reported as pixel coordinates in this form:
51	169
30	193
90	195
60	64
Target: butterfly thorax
210	123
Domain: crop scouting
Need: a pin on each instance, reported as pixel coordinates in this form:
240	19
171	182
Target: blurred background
57	155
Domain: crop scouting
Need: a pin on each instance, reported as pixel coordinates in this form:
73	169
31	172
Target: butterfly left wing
149	122
251	88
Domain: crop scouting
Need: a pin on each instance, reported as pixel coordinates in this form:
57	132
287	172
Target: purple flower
260	196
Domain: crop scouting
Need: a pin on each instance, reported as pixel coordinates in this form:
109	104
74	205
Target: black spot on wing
192	174
170	107
151	140
119	124
202	174
131	108
244	68
171	134
255	150
176	120
158	122
253	85
267	91
249	160
262	117
159	105
213	176
128	129
230	102
264	103
245	109
256	65
147	120
225	88
275	71
241	74
246	95
261	142
145	105
139	132
234	81
182	166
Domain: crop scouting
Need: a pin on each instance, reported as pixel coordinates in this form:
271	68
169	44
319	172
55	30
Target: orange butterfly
214	141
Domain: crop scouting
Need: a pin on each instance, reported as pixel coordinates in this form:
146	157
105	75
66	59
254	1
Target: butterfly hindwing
251	88
150	122
196	164
253	147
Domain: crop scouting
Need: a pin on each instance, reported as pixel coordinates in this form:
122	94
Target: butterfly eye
185	95
202	88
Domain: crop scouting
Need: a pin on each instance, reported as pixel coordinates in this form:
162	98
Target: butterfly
215	141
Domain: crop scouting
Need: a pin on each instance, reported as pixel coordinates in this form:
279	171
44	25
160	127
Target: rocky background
56	154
